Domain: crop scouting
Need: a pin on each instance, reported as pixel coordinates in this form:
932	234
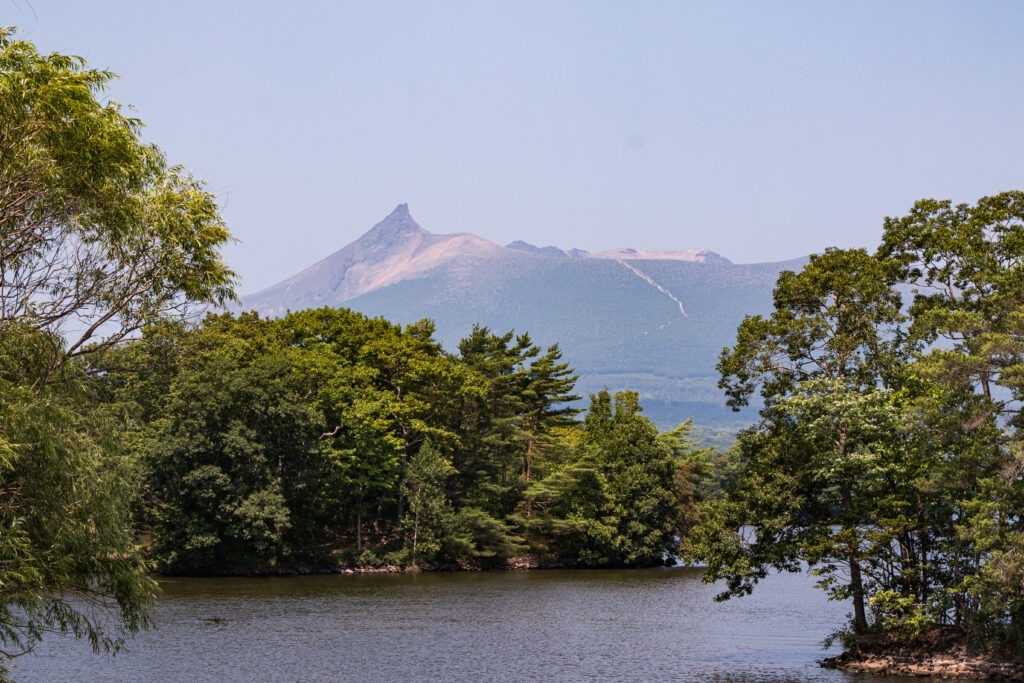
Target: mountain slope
395	249
653	324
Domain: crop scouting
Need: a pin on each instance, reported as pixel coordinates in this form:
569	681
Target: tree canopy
99	236
888	455
277	443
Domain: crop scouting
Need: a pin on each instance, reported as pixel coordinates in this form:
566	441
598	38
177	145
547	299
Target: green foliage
269	443
67	554
482	540
509	416
822	362
429	517
619	500
381	391
638	472
99	236
887	459
230	449
966	267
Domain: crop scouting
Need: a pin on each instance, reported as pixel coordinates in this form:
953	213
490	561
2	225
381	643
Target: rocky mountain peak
397	226
397	250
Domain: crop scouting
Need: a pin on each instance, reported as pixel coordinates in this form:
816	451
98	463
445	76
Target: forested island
326	439
138	435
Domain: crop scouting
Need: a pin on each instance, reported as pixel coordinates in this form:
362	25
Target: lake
558	625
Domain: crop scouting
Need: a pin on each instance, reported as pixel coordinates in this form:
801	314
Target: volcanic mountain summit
398	249
395	249
653	321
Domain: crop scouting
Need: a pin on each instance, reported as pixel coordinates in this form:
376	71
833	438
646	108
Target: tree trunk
526	473
359	528
860	620
415	535
403	470
529	459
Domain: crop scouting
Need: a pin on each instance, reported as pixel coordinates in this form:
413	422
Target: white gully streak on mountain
649	280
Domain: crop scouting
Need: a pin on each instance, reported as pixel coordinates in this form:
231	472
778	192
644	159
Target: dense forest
138	435
325	438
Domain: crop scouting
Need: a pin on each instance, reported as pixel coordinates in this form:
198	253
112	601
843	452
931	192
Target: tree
68	558
546	399
510	420
382	391
429	517
619	501
490	461
965	266
638	468
824	362
888	454
98	236
232	458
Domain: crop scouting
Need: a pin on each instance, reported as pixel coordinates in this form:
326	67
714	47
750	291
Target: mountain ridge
652	321
398	248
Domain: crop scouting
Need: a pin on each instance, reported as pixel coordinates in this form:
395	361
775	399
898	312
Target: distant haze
760	131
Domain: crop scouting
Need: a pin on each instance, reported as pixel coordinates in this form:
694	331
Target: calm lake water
639	625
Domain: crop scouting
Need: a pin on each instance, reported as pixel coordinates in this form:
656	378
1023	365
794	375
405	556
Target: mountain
394	250
550	251
654	321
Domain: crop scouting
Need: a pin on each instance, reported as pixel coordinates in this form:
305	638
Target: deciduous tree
99	235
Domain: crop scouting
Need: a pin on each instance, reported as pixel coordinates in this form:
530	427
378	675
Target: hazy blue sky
761	130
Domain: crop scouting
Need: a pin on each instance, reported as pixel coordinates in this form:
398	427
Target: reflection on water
639	625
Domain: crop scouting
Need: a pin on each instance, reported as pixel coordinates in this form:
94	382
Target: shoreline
942	652
950	665
525	563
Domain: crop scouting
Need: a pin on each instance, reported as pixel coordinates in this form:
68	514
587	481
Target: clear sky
761	130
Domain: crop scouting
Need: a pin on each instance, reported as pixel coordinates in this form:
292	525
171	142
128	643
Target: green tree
965	266
490	461
232	460
510	418
382	391
619	501
99	235
824	362
888	455
639	472
546	399
68	560
429	516
355	437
